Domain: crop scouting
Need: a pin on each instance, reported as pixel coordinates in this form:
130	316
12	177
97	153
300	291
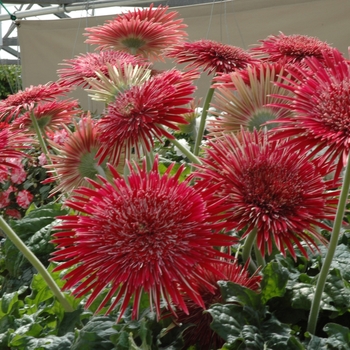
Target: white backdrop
45	43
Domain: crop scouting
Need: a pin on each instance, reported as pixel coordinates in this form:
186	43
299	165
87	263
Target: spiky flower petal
50	115
12	145
85	66
287	49
75	160
119	78
321	102
143	112
242	98
272	189
136	235
145	32
211	56
25	100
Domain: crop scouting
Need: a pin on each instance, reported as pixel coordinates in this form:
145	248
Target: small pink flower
24	198
13	213
42	159
60	136
16	161
4	199
4	174
18	175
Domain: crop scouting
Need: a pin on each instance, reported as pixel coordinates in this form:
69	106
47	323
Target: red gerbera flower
145	32
290	48
200	333
143	112
144	233
50	115
86	66
270	188
242	98
321	102
212	56
25	100
12	142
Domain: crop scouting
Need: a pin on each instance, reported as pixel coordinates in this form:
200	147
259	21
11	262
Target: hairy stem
247	248
322	277
40	137
200	132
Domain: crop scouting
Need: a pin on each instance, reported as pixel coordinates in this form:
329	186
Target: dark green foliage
10	80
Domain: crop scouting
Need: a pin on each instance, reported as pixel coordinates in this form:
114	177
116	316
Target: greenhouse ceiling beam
71	7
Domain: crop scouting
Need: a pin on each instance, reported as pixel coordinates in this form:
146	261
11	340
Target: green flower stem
259	258
40	137
10	234
322	277
185	151
149	160
100	170
247	248
200	132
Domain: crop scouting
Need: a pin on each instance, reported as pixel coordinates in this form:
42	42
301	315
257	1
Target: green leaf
121	340
7	303
39	242
69	322
35	231
277	335
302	295
244	329
232	292
336	295
228	321
252	337
96	334
51	342
274	281
7	325
339	336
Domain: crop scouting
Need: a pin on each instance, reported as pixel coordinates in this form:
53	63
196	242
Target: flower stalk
204	115
192	157
247	248
36	263
322	277
40	137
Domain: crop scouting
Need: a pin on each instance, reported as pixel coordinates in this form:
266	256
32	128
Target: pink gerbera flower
242	99
270	188
321	103
75	160
50	115
86	66
136	235
290	48
212	56
144	112
25	100
118	79
200	334
144	32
